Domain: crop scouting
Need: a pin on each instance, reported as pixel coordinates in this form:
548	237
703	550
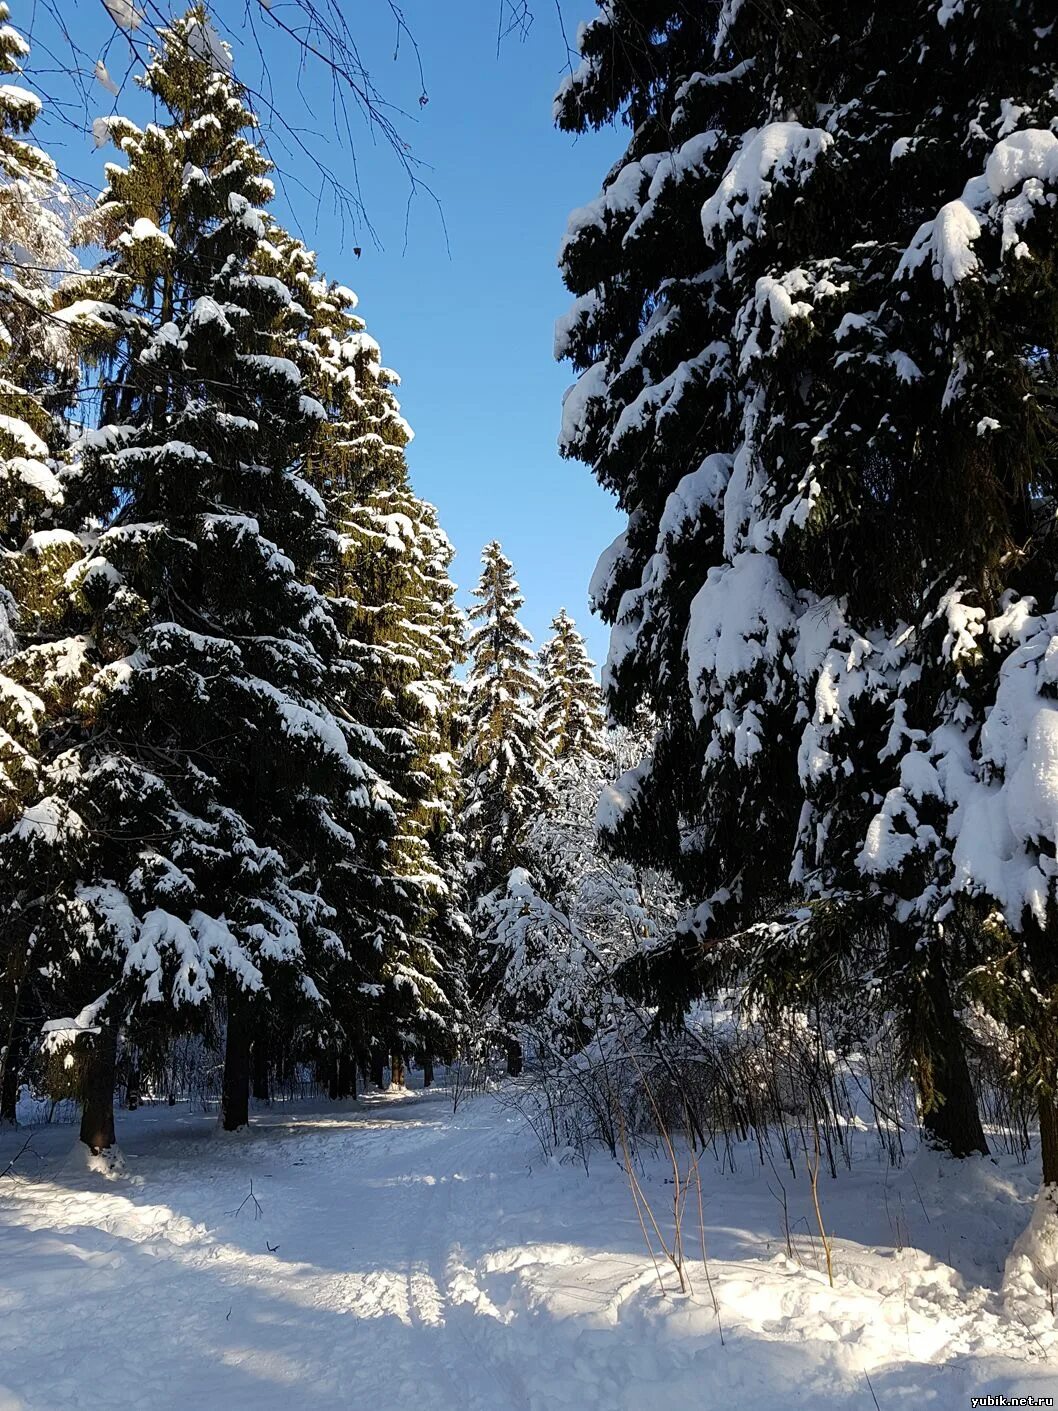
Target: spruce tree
409	636
813	322
571	719
504	749
962	835
504	757
393	598
37	379
573	918
434	644
198	769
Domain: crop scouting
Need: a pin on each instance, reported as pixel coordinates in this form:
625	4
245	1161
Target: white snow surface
404	1258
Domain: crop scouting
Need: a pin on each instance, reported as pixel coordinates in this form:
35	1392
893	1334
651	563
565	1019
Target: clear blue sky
467	319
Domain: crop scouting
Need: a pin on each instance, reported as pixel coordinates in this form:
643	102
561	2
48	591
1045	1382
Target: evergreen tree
962	831
37	379
504	749
814	325
403	616
570	701
393	598
197	774
574	915
503	759
435	644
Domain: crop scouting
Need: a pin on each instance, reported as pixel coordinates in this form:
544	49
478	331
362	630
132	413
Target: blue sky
467	318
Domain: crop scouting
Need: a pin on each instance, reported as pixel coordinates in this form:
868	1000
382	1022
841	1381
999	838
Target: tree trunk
514	1058
13	1059
235	1093
9	1093
378	1069
260	1068
949	1116
396	1070
427	1071
345	1069
97	1090
14	1044
1048	1109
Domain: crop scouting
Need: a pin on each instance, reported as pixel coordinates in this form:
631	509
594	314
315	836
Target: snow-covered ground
407	1259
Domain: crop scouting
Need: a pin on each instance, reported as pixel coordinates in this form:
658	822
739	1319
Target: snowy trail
404	1257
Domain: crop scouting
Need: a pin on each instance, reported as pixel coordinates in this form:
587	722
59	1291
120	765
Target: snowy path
406	1259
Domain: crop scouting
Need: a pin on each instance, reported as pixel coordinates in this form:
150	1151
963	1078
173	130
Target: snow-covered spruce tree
544	965
658	413
209	788
401	560
965	834
547	966
434	644
504	753
504	750
37	378
393	598
574	915
805	297
571	715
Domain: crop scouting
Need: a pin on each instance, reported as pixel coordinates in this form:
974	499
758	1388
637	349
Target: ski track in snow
406	1257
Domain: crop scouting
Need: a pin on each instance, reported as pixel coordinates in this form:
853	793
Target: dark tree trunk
514	1058
378	1069
1048	1109
9	1094
333	1087
97	1090
9	1086
949	1117
345	1073
14	1042
235	1093
427	1071
396	1070
260	1068
13	1062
